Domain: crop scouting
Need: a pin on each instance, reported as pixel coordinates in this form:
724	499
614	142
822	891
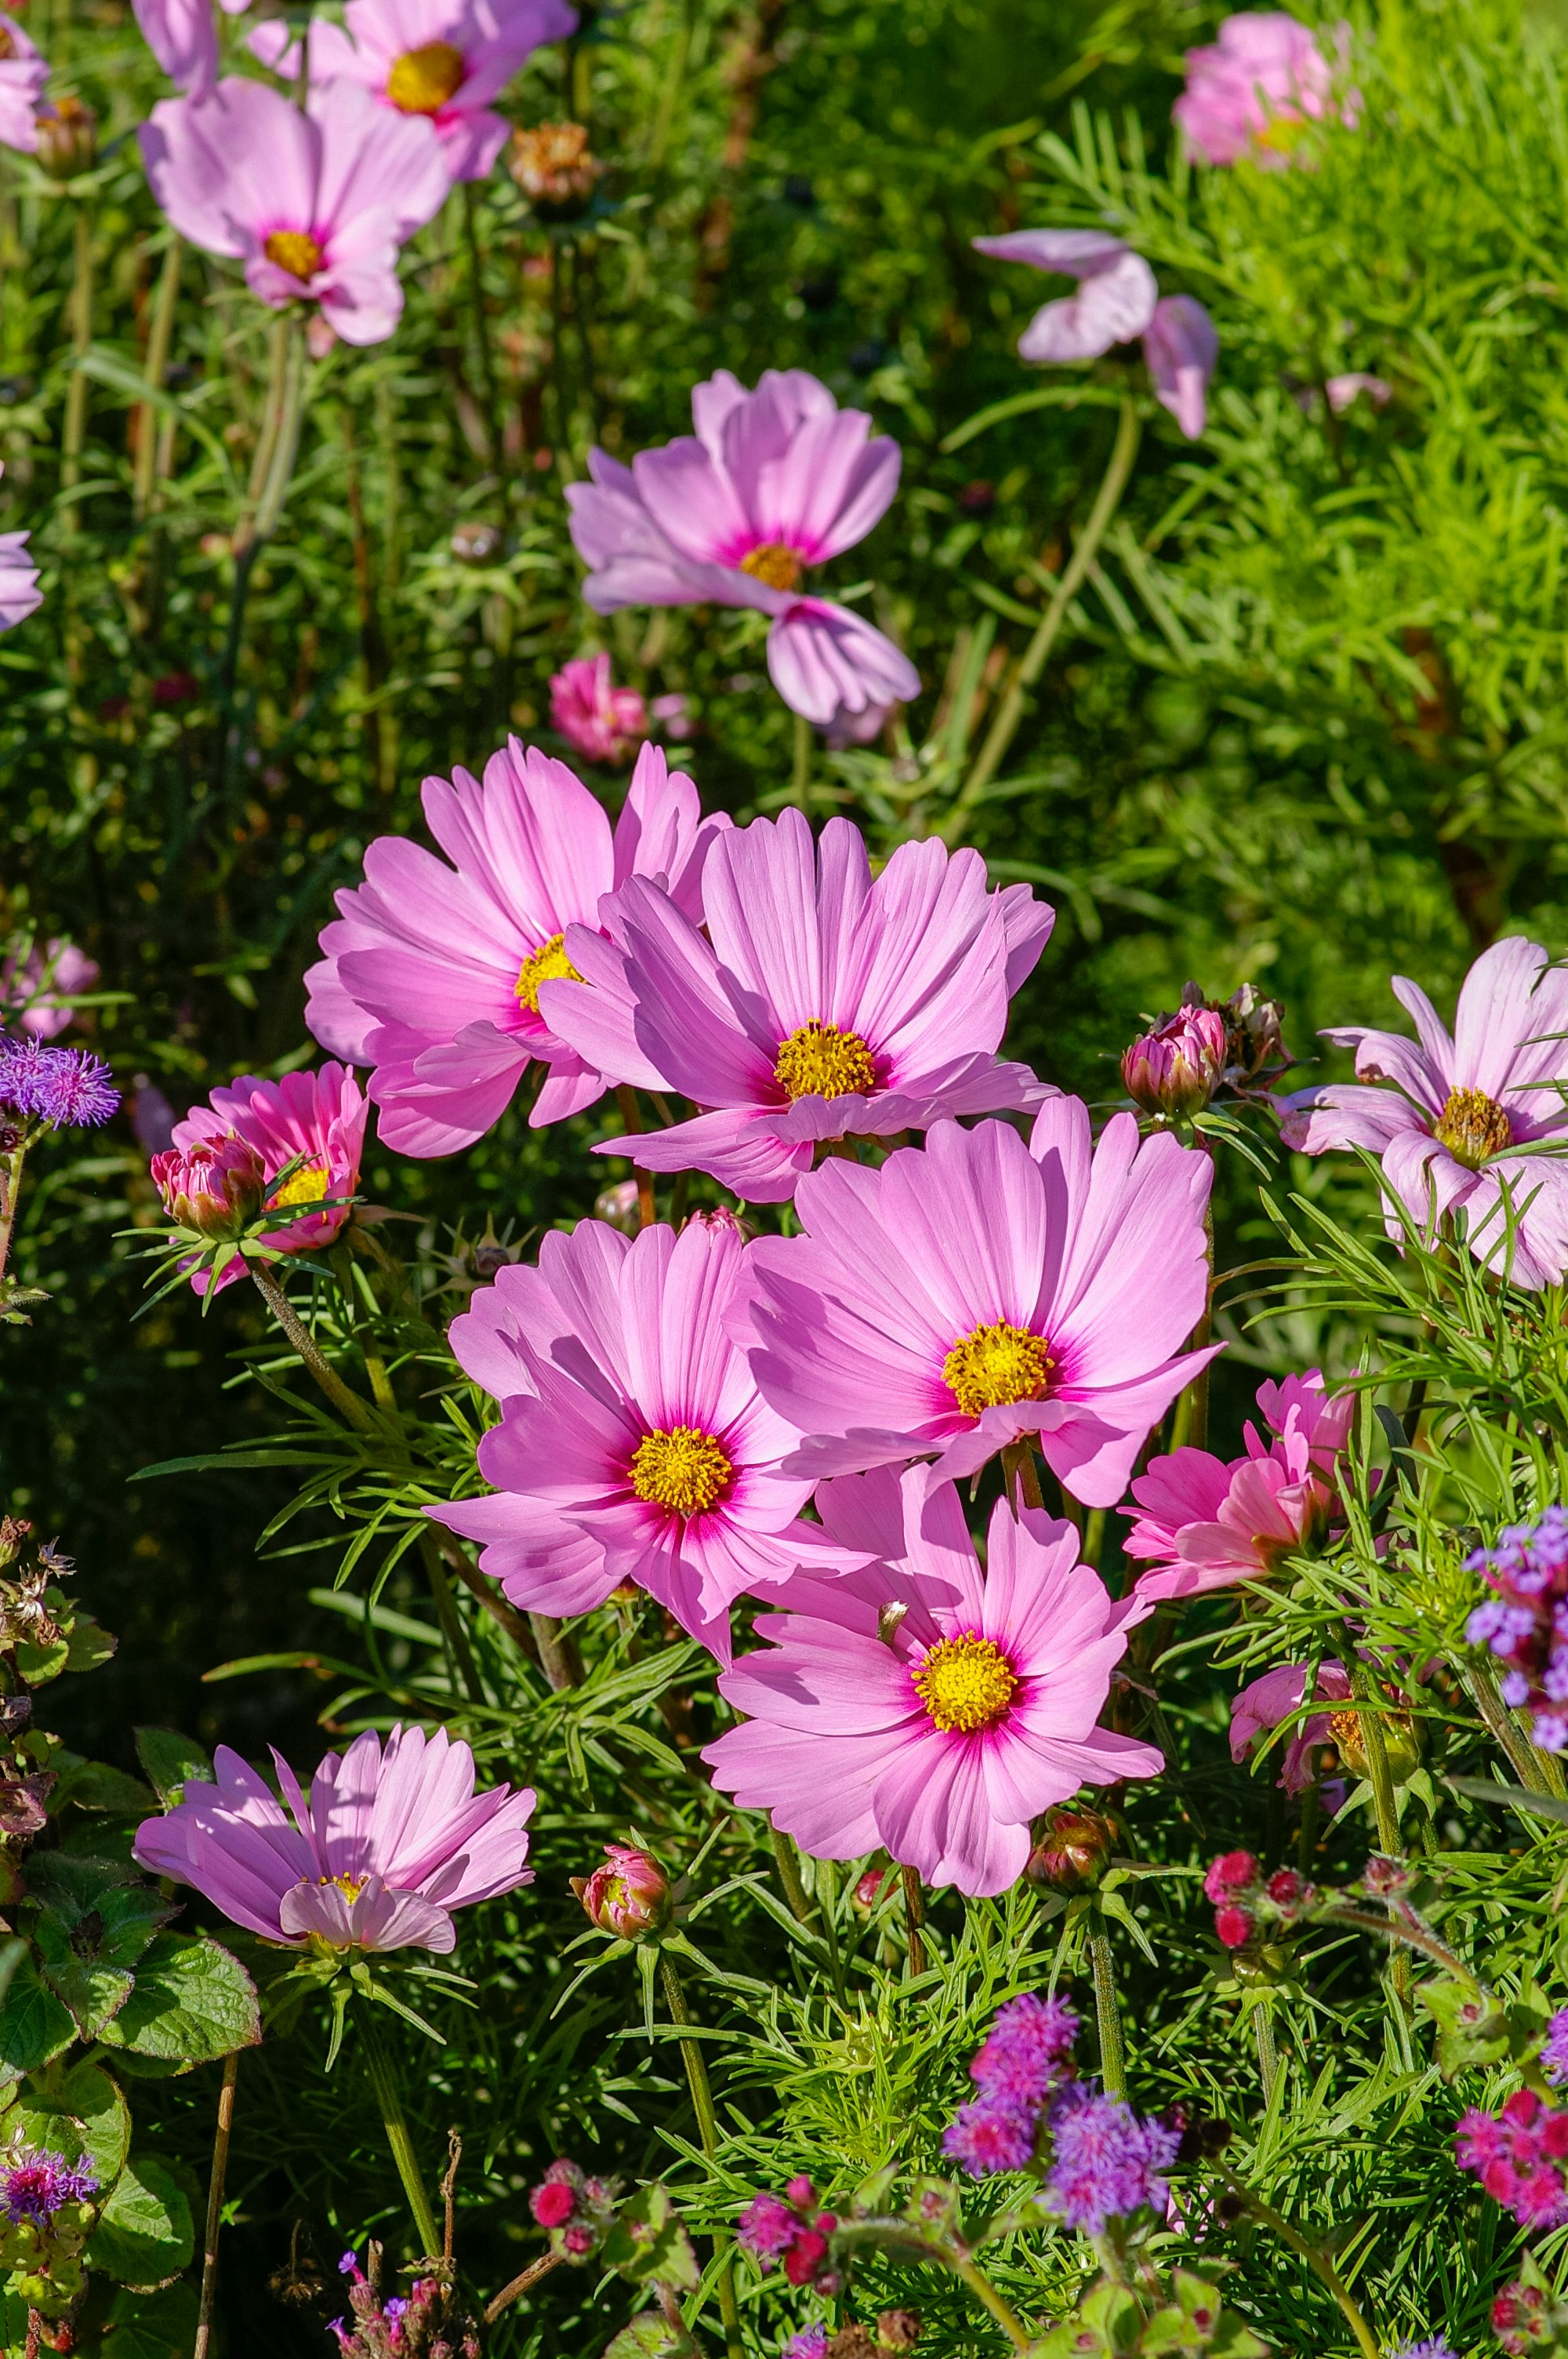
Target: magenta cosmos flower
817	1003
319	1116
446	59
314	205
923	1706
600	722
183	38
634	1445
1117	300
1466	1116
976	1292
1279	1695
1249	93
376	1856
1206	1524
24	70
773	482
432	974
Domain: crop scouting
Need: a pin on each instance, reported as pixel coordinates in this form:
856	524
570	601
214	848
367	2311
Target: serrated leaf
144	2234
88	1940
82	2114
39	1665
192	2002
35	2025
648	2241
649	2336
152	2325
67	1882
90	1645
171	1761
99	1785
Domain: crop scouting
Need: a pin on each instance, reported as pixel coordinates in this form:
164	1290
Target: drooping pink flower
445	60
19	593
23	70
976	1291
919	1705
35	986
1249	93
816	1004
315	205
774	482
1264	1702
1467	1116
1117	299
184	40
634	1445
376	1856
1343	391
1209	1523
602	723
319	1116
432	974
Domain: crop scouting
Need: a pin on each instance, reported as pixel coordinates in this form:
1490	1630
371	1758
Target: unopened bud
1401	1744
867	1889
1073	1853
475	543
68	138
629	1896
214	1189
1177	1067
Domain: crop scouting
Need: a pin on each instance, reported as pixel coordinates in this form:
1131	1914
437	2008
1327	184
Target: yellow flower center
818	1060
1472	1126
350	1887
995	1366
684	1470
548	964
775	563
423	80
966	1684
295	252
7	46
307	1186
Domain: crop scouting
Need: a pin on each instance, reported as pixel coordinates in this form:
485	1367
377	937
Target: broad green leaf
144	2234
82	2113
34	2027
88	1644
648	2241
99	1785
171	1761
152	2325
649	2336
87	1954
192	2002
37	1664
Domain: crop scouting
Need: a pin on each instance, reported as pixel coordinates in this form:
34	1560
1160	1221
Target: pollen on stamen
820	1061
309	1185
681	1468
1473	1126
966	1684
548	964
423	80
774	563
995	1366
296	251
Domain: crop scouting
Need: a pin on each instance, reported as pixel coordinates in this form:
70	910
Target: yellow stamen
684	1470
1472	1126
966	1684
423	80
307	1186
995	1366
548	964
819	1061
350	1887
775	563
295	252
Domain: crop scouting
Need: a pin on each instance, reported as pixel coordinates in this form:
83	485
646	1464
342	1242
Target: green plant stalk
447	1614
789	1874
1315	2259
74	433
482	335
144	493
1010	712
1108	2018
800	765
708	2131
397	2127
913	1919
215	2207
1526	1762
286	444
1268	2054
969	2273
350	1407
12	1185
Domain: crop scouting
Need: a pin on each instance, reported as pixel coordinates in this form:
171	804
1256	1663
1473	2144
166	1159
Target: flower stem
980	2286
447	1614
800	768
914	1918
559	1657
1315	2259
145	489
482	332
630	1123
11	1185
1108	2018
707	2130
1523	1756
356	1412
1268	2054
789	1876
74	432
396	2128
215	2206
522	2283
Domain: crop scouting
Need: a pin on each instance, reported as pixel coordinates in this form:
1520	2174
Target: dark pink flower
314	1122
214	1190
1264	1702
599	721
1249	93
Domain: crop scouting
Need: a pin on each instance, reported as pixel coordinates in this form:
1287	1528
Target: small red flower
1234	1928
1232	1873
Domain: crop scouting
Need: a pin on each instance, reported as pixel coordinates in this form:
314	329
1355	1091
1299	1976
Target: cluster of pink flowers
1024	2064
1248	1904
790	2229
1525	1623
1249	95
1520	2157
418	2324
576	2212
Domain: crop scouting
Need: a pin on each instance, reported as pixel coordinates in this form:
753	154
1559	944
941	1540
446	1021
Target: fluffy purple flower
773	482
769	2226
1027	2050
35	2184
1104	2161
990	2134
1436	2346
1525	1625
66	1088
1555	2050
820	1003
811	2342
1519	2156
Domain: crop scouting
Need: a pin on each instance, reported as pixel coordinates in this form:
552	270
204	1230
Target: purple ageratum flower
817	1003
23	70
65	1088
977	1291
811	2342
184	40
1248	94
916	1705
376	1856
1555	2050
1450	1130
1525	1625
1117	299
319	1116
768	2227
774	481
1436	2346
1104	2161
1027	2050
35	2184
989	2135
315	205
634	1445
432	974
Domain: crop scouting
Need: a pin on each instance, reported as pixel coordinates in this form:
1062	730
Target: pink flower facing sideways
37	984
1249	93
182	36
919	1705
375	1856
634	1445
774	482
978	1291
1279	1695
23	70
320	1118
1207	1523
816	1002
432	974
1464	1116
19	593
315	205
600	722
1117	300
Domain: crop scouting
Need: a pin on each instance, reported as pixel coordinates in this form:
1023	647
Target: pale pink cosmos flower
1249	93
1264	1702
1117	299
600	722
1464	1116
184	40
35	985
23	70
314	1122
1343	391
977	1291
634	1445
315	205
818	1003
19	593
445	60
920	1706
433	974
375	1856
1207	1523
774	482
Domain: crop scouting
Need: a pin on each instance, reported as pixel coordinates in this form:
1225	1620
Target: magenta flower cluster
1026	2060
35	2185
1520	2157
790	2230
1525	1625
388	2326
1107	2161
1247	1902
65	1088
575	2211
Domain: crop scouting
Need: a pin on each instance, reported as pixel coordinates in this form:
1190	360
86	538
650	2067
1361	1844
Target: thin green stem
1315	2259
980	2286
80	316
356	1412
447	1614
12	1186
708	2131
788	1861
914	1920
1500	1722
481	330
285	445
397	2127
1410	1929
1108	2018
215	2207
1268	2054
159	336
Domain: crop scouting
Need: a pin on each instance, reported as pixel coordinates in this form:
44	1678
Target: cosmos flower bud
1176	1068
68	138
1073	1853
629	1895
214	1189
1401	1742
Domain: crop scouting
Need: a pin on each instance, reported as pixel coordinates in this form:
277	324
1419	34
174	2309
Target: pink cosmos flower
35	984
976	1291
774	482
1248	94
1117	300
1464	1116
376	1856
919	1705
321	1116
1210	1523
634	1445
19	593
444	60
24	70
817	1003
1264	1702
602	723
315	205
1343	391
182	36
433	974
